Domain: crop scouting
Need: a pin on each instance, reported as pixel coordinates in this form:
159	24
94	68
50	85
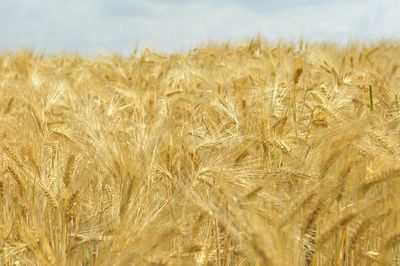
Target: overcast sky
89	26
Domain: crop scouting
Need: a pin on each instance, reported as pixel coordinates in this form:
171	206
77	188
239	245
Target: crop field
231	154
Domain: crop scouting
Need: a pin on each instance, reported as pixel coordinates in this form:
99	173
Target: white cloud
89	26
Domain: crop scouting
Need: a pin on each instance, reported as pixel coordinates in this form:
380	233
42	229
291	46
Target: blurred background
90	27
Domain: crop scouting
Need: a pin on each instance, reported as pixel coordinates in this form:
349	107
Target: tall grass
253	154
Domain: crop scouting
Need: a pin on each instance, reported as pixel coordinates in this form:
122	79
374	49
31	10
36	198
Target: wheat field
228	154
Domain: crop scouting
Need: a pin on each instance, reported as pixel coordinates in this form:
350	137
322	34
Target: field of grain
247	154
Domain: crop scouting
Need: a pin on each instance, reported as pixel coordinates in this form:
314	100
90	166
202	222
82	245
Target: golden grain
247	154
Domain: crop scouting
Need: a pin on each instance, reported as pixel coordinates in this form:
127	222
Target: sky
120	26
